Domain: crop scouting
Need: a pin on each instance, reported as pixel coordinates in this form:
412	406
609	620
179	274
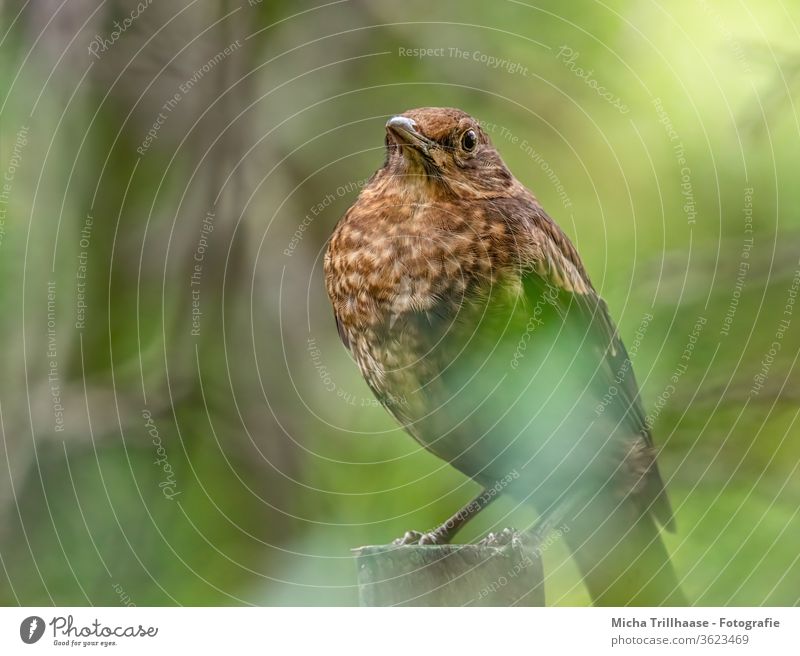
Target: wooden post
450	575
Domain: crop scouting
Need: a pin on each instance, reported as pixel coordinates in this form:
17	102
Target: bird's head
445	151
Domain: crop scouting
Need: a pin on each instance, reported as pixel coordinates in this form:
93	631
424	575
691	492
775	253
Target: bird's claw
506	537
417	537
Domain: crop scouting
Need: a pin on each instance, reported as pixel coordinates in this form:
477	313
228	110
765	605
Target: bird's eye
469	140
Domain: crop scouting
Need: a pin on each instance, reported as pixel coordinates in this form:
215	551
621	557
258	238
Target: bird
473	320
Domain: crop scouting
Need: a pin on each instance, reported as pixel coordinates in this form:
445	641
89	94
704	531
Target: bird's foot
508	536
416	537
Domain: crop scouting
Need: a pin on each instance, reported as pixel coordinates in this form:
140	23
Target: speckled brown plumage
440	273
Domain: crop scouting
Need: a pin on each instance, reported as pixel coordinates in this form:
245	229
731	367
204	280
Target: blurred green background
180	424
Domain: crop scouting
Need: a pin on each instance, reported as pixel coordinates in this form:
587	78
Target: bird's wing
556	268
340	329
560	268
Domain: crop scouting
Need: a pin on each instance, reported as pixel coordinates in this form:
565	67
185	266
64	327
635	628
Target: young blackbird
473	320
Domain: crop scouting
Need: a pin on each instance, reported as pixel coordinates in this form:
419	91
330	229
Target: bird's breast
388	261
401	276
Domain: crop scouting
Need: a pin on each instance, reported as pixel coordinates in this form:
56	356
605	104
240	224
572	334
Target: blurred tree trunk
137	224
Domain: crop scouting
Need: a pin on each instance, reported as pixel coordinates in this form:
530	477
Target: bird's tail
621	556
